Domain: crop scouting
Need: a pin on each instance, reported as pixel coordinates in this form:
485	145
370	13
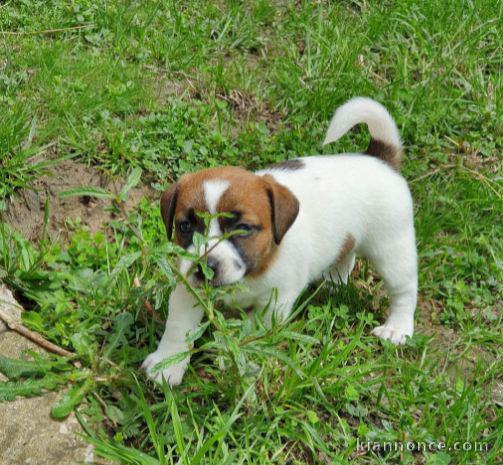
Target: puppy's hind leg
396	262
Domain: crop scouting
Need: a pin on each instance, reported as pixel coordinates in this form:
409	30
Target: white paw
395	333
172	374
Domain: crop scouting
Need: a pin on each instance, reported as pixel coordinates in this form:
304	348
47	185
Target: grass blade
90	191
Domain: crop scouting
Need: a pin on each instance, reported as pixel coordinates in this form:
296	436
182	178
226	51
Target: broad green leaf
15	368
82	343
9	390
132	180
440	458
197	333
124	263
71	399
115	413
171	360
304	338
351	393
312	416
198	240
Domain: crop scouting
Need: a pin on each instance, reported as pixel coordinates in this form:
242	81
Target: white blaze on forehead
213	191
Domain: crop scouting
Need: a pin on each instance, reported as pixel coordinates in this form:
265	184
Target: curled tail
385	140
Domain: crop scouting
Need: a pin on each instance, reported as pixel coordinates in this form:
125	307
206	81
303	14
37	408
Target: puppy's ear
284	207
168	205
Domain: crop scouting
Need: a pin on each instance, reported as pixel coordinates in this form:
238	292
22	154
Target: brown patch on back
347	247
388	153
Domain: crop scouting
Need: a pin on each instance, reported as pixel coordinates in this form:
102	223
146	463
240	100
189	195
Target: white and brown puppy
302	220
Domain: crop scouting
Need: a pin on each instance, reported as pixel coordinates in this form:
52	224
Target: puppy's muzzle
213	264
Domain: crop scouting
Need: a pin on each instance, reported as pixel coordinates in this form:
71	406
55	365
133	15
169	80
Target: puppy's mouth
214	282
198	278
211	282
215	270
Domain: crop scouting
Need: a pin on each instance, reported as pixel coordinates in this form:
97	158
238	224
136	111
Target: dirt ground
42	440
25	212
39	440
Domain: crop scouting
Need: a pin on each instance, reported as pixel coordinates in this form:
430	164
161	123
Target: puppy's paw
397	334
172	374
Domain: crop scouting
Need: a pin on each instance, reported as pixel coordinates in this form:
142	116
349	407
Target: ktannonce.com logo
416	446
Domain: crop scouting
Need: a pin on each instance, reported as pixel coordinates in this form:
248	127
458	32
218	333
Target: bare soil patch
25	212
246	107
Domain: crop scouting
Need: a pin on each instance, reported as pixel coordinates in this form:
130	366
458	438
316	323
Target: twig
101	402
482	178
148	305
33	336
432	172
46	31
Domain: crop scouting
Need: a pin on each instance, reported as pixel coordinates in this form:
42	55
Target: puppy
298	221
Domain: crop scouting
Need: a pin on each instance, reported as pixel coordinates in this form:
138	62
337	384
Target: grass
169	87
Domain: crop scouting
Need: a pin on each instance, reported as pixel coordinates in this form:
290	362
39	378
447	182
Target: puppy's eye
185	227
244	228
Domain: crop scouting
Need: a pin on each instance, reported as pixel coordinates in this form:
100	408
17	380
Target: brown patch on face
273	207
388	153
267	207
183	199
293	164
347	246
248	195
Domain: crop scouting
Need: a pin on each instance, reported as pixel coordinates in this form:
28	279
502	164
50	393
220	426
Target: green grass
170	87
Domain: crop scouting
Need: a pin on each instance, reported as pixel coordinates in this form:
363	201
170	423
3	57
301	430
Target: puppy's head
258	213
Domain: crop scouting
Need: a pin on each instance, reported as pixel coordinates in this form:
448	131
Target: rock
28	435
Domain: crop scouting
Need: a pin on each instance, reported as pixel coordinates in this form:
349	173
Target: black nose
212	264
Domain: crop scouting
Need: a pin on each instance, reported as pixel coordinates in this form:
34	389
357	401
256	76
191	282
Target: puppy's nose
212	264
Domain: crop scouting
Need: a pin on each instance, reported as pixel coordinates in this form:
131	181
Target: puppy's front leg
280	307
184	316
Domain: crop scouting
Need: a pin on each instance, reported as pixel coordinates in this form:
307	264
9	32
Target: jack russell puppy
298	221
